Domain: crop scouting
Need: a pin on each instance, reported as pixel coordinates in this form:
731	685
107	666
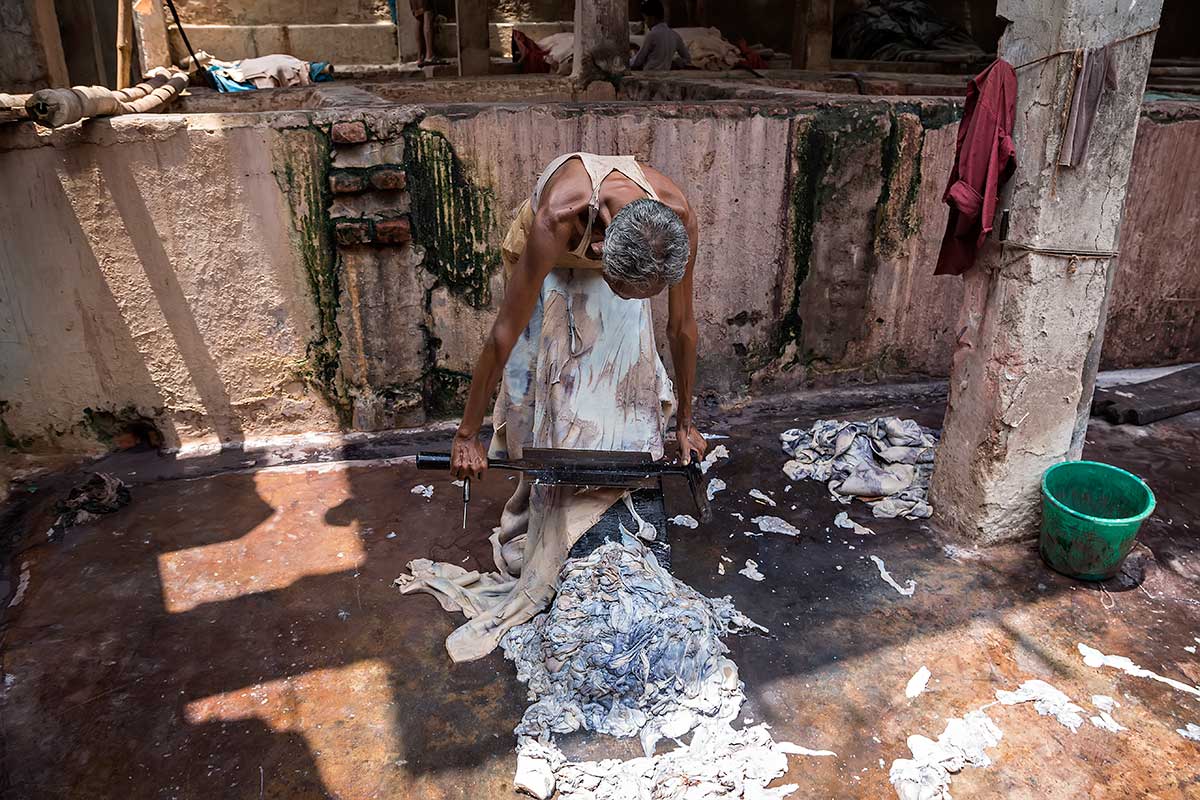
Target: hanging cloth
1096	71
984	160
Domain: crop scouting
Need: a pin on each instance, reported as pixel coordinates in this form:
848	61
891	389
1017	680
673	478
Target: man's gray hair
645	244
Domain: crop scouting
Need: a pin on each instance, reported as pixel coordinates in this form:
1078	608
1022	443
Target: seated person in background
661	43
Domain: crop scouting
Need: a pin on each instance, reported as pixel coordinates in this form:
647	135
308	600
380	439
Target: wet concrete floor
233	632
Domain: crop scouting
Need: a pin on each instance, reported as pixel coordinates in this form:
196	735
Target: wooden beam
812	34
471	22
44	19
150	26
124	43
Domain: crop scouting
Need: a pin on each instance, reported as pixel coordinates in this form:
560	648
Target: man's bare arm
682	336
546	241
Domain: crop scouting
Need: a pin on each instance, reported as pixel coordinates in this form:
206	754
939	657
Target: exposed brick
342	182
348	232
393	231
348	133
388	179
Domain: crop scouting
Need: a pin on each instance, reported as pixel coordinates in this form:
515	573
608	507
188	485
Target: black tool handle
428	460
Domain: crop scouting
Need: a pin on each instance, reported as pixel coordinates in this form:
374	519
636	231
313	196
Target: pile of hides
902	30
627	650
708	48
99	494
886	462
266	72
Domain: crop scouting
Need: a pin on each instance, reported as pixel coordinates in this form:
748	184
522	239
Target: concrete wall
259	12
150	273
358	32
1154	314
232	276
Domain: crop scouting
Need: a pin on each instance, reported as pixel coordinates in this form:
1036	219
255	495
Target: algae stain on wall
302	161
451	215
896	219
823	140
863	159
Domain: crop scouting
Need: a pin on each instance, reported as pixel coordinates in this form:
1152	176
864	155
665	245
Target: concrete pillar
471	22
601	39
407	31
812	34
1032	322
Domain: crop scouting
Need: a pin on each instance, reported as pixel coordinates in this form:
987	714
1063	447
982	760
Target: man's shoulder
668	191
564	199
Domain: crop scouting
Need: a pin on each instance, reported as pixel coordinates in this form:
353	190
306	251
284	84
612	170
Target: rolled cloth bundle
56	107
12	107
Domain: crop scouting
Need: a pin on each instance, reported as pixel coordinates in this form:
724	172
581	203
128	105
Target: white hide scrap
714	486
720	451
1104	719
751	570
1094	658
906	590
684	520
719	763
842	520
776	525
1047	701
964	742
762	498
917	683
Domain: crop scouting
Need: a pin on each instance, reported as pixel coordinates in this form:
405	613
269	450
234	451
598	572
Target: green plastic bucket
1091	513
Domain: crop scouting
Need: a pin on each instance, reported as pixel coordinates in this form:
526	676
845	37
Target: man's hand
468	459
690	442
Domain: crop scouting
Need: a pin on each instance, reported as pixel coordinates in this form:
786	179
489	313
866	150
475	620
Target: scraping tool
610	468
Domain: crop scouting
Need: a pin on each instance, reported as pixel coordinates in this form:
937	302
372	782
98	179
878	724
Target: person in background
661	43
423	11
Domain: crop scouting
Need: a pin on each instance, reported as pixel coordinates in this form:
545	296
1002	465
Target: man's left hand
690	443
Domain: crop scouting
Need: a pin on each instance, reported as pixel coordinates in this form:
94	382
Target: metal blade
555	456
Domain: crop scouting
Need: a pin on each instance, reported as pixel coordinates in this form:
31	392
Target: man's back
659	49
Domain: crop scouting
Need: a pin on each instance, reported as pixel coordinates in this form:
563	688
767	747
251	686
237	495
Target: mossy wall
452	216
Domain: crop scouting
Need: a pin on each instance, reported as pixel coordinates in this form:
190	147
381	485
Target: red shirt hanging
984	160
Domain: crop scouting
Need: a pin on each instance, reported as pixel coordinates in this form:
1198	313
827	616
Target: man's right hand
468	459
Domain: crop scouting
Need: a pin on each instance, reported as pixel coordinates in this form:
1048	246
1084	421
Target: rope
1061	252
1058	53
1057	252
